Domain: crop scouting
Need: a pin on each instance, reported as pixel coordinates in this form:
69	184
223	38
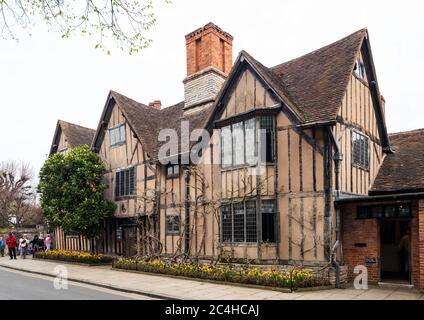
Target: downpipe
335	263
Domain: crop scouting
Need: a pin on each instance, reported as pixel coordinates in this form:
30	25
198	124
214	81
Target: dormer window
117	135
359	69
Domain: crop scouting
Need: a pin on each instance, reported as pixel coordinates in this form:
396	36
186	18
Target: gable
247	93
120	155
358	113
70	135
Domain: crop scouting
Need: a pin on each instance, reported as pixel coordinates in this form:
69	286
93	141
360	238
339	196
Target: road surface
16	285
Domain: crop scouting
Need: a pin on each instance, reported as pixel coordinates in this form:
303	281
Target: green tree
124	22
71	187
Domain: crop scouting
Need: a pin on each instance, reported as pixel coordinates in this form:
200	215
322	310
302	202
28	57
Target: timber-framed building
333	185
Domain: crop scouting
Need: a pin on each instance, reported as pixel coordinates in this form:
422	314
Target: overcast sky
45	78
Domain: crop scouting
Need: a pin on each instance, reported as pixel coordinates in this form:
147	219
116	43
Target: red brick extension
366	232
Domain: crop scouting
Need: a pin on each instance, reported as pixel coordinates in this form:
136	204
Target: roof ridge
321	48
275	78
74	124
120	95
419	130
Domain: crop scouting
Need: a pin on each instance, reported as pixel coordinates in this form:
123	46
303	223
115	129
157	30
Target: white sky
45	78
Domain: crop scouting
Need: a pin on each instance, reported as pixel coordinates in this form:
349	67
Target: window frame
173	174
246	162
118	129
368	213
258	213
359	69
364	166
132	187
173	230
273	219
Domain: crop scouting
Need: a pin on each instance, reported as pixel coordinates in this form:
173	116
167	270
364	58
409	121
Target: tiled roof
312	85
75	134
147	122
402	171
316	82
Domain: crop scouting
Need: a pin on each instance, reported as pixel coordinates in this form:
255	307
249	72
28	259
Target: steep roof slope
317	81
312	86
147	122
402	171
76	135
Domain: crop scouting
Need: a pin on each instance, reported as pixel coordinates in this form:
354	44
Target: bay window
241	144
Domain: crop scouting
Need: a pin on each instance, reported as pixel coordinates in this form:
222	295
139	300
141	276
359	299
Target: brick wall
367	232
361	241
209	46
209	61
418	246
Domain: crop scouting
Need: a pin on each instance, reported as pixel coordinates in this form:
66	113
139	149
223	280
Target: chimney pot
157	104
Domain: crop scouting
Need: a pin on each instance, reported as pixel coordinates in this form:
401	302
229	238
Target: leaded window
239	222
227	224
267	130
117	135
250	141
240	144
360	150
227	147
386	211
173	224
268	220
125	183
251	234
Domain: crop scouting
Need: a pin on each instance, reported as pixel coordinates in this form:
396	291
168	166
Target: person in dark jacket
11	245
36	245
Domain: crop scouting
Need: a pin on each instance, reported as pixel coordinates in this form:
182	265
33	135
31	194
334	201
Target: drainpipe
187	212
335	263
338	158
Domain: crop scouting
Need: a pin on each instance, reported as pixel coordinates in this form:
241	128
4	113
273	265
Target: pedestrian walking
23	246
48	242
11	245
36	245
2	246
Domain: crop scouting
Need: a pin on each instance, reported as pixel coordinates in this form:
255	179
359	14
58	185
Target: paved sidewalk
171	288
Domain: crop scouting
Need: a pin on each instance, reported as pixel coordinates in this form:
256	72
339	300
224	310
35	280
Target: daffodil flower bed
296	278
73	256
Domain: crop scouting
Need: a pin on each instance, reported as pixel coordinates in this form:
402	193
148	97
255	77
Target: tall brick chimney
209	60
